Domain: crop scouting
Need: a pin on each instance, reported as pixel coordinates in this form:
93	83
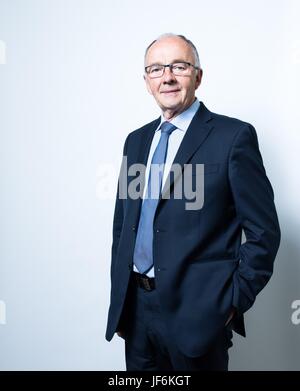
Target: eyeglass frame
170	66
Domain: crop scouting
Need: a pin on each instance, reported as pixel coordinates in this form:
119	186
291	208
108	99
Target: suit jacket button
157	231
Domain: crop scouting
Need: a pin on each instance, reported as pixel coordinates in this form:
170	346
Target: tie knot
167	127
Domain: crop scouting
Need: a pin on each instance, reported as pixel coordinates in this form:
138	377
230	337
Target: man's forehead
174	47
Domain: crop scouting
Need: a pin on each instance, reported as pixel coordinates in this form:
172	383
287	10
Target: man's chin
174	106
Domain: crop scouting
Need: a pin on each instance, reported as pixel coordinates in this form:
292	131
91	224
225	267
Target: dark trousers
148	346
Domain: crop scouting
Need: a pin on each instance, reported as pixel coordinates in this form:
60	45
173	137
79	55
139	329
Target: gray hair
190	43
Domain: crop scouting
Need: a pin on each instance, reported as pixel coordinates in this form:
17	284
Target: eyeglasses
178	68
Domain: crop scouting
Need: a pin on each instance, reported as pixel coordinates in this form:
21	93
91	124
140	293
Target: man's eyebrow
154	63
160	63
180	60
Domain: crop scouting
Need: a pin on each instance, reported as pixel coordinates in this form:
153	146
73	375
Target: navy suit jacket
201	267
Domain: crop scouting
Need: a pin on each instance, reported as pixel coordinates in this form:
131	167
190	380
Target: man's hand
121	334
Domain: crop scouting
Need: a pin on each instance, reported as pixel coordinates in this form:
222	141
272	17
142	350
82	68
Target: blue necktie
143	251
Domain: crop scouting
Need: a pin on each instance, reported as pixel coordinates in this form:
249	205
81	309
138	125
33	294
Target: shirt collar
183	120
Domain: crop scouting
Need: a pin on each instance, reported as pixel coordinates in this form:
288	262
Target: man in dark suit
181	279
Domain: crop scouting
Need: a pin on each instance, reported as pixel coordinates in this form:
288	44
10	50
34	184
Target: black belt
143	281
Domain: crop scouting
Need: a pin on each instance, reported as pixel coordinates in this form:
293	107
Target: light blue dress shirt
182	122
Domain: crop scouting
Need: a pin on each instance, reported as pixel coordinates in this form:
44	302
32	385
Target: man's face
172	93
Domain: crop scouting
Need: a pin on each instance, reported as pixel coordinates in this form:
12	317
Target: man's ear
147	85
198	77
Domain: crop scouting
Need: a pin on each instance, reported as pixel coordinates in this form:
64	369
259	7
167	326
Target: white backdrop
71	89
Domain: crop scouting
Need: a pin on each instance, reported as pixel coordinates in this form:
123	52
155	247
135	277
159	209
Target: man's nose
168	76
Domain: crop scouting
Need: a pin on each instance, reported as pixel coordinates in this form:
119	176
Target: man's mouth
170	92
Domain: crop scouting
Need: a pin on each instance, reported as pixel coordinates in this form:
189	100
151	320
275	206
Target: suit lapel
145	142
143	152
195	135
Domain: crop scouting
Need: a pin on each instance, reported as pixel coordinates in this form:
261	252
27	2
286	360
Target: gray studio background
71	89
